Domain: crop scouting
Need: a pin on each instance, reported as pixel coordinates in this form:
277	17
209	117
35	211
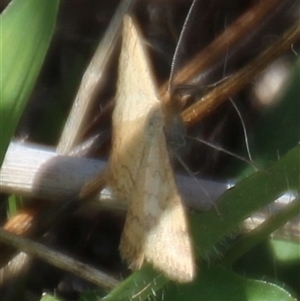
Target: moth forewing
134	100
135	81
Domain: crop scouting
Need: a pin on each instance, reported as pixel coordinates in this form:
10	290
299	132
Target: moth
140	171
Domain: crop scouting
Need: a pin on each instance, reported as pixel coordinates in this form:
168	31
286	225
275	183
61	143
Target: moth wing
135	97
156	228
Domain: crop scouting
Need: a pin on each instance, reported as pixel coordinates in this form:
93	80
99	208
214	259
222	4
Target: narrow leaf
26	30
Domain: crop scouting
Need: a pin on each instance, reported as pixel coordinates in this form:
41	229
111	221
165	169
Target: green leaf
218	284
26	29
264	262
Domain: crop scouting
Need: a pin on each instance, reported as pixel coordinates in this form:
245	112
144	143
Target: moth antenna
238	111
181	36
225	151
188	170
244	129
192	175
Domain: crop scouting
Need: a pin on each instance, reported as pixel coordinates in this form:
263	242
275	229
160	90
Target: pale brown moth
140	172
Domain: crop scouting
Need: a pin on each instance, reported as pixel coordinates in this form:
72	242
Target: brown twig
240	79
232	35
58	259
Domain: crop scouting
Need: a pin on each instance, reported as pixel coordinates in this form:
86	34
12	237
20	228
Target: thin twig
240	79
58	259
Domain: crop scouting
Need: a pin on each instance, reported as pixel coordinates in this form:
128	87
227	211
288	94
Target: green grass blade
250	195
26	29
